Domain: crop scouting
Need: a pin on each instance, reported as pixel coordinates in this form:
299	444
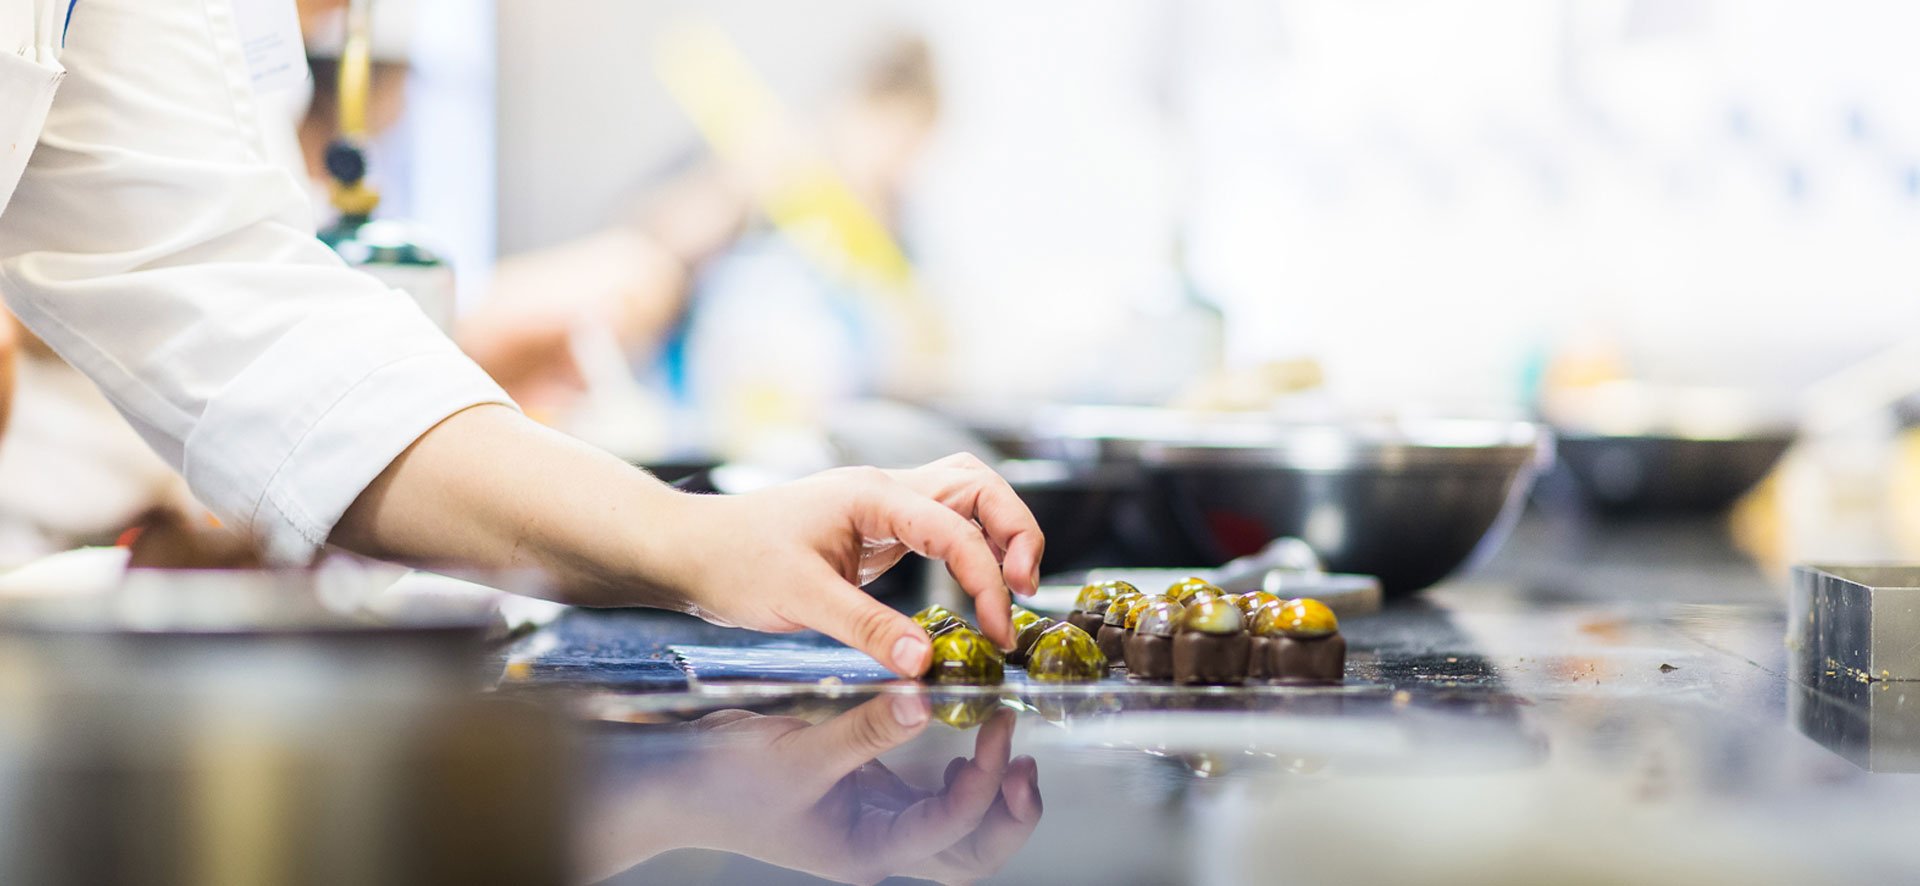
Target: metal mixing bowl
1408	502
1639	448
1668	474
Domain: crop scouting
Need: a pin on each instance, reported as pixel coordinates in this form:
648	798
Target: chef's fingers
1012	527
966	484
832	606
931	529
837	748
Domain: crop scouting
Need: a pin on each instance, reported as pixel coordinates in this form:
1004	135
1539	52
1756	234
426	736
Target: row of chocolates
1192	634
1196	633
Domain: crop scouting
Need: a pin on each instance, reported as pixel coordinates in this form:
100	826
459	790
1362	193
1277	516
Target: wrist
651	546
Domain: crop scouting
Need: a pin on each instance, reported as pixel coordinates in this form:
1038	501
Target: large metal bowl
1632	475
1409	502
1636	448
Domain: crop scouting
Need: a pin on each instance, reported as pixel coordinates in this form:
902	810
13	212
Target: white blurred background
698	231
1430	198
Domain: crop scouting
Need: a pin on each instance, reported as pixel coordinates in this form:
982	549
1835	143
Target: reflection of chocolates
1149	657
1306	659
1213	659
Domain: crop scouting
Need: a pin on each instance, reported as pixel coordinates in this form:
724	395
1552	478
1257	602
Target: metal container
1643	449
1644	474
1851	656
1860	623
1407	501
241	727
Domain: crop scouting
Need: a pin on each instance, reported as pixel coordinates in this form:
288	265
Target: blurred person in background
74	474
150	240
72	471
695	282
316	110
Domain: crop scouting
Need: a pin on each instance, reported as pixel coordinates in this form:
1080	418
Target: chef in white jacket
151	242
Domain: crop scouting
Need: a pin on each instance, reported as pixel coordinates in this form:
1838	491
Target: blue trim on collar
64	28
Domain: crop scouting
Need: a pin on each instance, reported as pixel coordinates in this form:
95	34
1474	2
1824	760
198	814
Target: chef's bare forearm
489	488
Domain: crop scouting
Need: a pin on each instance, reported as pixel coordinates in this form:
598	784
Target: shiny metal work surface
1612	726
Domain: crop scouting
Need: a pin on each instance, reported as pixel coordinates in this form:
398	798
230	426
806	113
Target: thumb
848	614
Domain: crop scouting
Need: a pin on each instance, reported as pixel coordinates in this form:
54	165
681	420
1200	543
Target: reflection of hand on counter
814	799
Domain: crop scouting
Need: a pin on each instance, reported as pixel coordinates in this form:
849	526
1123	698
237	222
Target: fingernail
1035	583
909	711
910	654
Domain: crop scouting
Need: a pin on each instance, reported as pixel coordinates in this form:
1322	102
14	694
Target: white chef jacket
155	246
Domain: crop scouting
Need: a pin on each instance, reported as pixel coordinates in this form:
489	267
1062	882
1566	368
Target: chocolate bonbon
1150	647
1212	645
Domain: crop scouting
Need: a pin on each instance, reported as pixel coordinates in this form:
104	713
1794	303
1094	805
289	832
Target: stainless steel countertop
1602	704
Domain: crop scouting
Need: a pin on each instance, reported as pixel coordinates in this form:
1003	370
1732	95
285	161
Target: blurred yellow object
1253	388
1903	493
355	197
1834	500
736	112
1586	362
1759	526
799	190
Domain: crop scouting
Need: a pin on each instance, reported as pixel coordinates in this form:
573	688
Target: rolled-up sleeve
156	247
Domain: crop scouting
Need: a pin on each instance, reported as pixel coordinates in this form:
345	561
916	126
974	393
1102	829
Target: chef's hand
794	556
490	489
815	799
